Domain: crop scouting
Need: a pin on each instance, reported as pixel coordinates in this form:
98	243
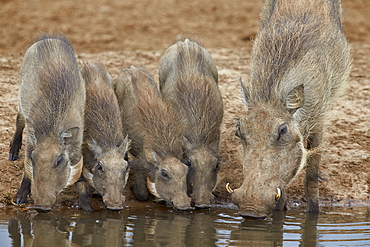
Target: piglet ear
70	135
124	145
295	99
245	94
151	156
94	147
186	144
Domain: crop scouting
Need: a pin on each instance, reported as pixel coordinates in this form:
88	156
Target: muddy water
157	225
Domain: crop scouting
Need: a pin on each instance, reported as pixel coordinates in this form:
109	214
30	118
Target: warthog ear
95	147
70	135
245	94
186	144
295	99
124	145
151	156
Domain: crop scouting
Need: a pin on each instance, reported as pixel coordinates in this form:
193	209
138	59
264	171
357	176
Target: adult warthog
300	60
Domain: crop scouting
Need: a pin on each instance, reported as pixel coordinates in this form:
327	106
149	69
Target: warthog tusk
152	189
228	188
278	195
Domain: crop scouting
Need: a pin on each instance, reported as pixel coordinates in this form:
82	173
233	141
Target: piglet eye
32	157
217	167
61	161
164	174
283	129
128	165
99	167
237	131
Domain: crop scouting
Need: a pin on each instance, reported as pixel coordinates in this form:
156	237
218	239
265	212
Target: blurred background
97	26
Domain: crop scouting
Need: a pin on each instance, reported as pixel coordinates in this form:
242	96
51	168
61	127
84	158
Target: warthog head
202	176
109	173
50	167
273	154
169	180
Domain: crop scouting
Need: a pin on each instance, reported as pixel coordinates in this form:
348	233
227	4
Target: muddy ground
122	33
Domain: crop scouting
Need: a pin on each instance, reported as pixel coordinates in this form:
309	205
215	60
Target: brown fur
300	61
188	82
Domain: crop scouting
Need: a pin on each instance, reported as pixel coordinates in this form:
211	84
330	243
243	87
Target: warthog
300	60
188	81
51	108
156	139
104	147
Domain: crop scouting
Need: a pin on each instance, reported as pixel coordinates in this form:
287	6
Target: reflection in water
309	235
161	226
256	232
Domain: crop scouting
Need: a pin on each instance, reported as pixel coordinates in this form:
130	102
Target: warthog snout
114	201
255	206
182	204
43	200
202	197
44	206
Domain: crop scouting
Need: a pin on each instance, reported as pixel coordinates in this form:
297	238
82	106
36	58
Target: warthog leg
16	142
312	173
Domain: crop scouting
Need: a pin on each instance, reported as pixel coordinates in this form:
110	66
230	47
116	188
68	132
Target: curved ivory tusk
278	195
28	168
228	188
88	176
75	173
151	188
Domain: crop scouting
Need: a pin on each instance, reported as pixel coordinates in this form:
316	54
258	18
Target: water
158	225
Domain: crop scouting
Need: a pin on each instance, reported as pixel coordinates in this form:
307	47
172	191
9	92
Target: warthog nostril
278	195
228	188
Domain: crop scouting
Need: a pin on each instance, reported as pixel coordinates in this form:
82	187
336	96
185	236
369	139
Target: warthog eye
99	167
218	164
164	174
128	166
238	132
31	155
283	129
61	161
